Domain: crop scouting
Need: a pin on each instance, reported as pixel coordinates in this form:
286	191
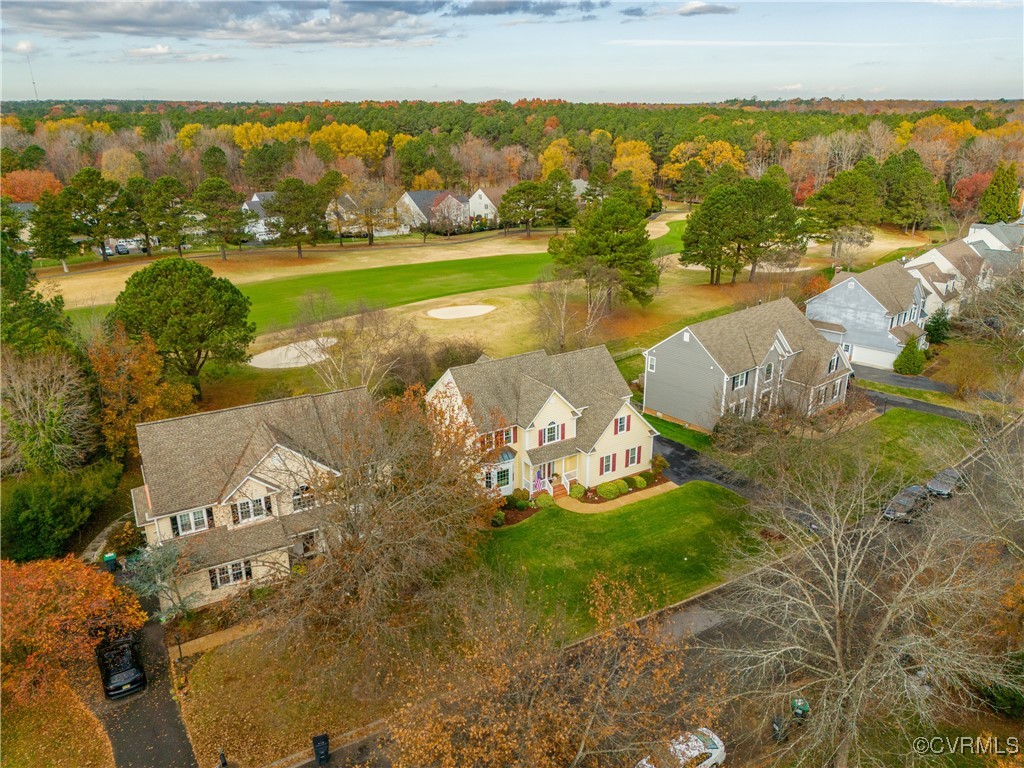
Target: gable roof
424	199
513	390
741	340
962	256
194	461
1010	235
494	194
890	284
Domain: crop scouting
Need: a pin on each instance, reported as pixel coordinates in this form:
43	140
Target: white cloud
152	51
696	8
790	88
25	46
203	57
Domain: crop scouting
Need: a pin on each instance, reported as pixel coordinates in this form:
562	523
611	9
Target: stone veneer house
745	363
873	314
559	419
234	487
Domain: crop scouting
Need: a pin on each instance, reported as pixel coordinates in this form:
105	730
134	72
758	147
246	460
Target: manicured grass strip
909	444
671	241
935	398
680	434
275	303
675	544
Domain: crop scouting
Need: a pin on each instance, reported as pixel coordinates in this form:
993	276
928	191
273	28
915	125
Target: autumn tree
557	156
567	315
374	206
965	202
221	209
610	249
55	613
635	156
129	376
46	408
514	694
882	629
27	186
429	179
190	315
120	164
996	316
1001	201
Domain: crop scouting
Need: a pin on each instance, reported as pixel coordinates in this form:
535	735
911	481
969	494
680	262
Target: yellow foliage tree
399	140
225	133
635	156
600	133
341	139
942	128
187	135
429	179
557	156
285	132
119	164
903	133
375	148
249	135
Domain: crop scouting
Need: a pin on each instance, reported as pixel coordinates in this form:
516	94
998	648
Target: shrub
499	518
639	482
125	539
510	502
909	362
44	512
544	500
936	329
622	485
577	491
647	477
521	494
522	504
658	464
608	491
630	481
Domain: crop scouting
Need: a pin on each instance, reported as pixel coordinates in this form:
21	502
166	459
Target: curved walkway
574	505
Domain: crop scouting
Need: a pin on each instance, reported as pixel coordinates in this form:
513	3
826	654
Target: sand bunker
294	355
457	313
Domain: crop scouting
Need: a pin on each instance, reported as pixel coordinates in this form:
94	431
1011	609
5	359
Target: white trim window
248	510
550	433
303	498
504	476
742	409
622	424
769	371
739	380
822	394
632	457
836	387
230	573
606	464
193	521
651	364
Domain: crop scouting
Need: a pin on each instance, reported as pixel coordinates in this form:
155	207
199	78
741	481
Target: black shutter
234	514
268	505
209	517
248	569
174	526
213	578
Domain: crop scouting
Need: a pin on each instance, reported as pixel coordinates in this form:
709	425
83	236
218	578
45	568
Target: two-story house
558	419
872	314
745	363
260	225
483	204
947	272
1000	245
236	487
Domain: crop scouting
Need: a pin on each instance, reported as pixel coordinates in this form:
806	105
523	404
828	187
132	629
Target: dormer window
833	363
303	498
769	371
247	510
194	521
551	433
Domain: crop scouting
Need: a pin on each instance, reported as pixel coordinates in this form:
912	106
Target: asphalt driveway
686	464
145	728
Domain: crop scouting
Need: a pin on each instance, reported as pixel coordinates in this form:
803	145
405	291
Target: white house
483	204
259	226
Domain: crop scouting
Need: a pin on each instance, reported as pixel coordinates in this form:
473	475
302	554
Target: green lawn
935	398
909	444
699	441
672	241
275	302
675	544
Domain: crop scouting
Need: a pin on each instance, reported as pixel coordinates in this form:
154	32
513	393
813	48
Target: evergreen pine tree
1000	201
910	362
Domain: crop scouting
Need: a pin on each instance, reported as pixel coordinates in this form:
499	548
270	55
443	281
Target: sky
475	50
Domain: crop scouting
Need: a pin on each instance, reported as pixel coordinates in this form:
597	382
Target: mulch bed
591	497
513	516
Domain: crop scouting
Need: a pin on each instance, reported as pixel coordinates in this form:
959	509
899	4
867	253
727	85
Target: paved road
884	401
686	464
145	728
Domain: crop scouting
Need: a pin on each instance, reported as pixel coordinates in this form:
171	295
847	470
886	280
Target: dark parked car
906	504
120	667
121	249
946	483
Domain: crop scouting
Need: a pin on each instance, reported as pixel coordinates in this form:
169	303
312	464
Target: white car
697	749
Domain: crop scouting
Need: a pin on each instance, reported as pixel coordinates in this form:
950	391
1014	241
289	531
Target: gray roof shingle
512	390
889	283
194	461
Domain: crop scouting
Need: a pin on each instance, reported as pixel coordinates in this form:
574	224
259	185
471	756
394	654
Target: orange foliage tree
55	612
815	285
132	389
511	697
28	186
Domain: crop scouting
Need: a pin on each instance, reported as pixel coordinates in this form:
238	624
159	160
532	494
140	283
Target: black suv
120	667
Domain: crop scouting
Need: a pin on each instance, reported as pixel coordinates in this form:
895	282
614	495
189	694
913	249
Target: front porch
554	477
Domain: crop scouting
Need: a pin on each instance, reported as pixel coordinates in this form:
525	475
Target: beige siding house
233	487
558	419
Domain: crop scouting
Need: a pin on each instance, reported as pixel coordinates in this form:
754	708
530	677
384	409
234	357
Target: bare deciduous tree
46	411
566	315
996	315
880	626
